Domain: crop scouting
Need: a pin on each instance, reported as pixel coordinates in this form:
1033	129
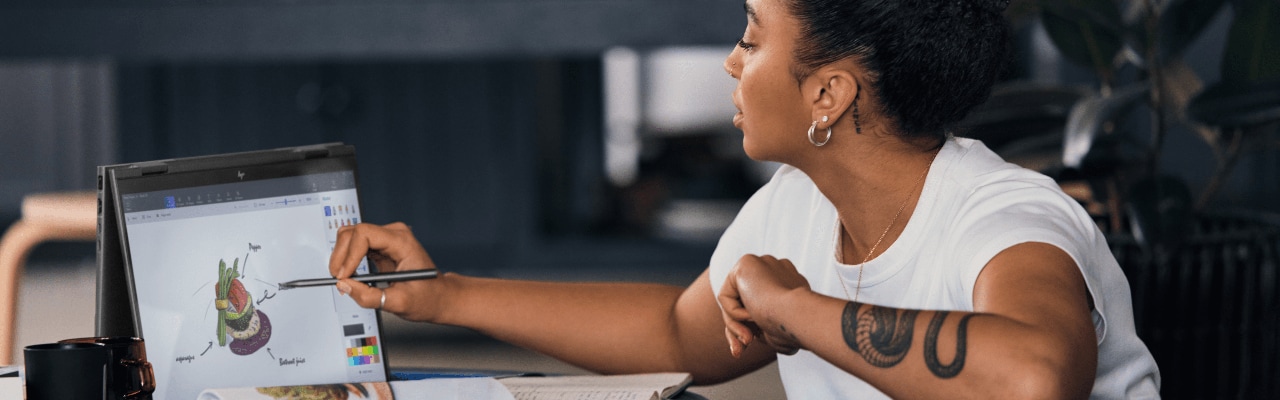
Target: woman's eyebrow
751	13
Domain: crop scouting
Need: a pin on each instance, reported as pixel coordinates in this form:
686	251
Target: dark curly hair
931	61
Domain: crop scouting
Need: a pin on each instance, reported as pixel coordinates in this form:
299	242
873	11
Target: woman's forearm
940	354
604	327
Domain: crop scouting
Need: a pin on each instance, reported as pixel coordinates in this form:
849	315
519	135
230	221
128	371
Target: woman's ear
833	89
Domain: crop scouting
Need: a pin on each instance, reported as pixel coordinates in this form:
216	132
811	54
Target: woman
884	258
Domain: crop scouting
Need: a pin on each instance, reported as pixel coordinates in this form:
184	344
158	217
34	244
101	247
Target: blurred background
591	140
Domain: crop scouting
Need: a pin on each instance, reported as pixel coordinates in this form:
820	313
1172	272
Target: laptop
192	252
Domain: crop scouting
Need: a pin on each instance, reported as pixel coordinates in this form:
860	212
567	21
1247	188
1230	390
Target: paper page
11	388
609	387
582	394
478	388
12	382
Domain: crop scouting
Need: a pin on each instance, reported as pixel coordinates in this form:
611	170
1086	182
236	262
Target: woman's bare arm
603	327
1030	336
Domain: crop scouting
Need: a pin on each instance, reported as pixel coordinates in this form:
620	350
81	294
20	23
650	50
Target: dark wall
480	157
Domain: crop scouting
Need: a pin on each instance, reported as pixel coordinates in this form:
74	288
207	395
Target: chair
65	216
1207	308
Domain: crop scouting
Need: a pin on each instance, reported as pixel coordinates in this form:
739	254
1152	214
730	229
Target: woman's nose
730	64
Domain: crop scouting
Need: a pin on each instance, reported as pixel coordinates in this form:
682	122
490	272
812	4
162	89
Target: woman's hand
391	248
754	299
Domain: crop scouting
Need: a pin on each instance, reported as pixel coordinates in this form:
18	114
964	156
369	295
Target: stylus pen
366	278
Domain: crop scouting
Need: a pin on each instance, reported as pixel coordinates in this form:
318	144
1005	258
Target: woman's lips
737	118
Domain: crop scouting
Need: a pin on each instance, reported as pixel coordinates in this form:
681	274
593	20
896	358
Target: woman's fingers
398	226
364	295
759	280
738	333
390	248
347	246
341	249
739	336
735	345
353	243
732	305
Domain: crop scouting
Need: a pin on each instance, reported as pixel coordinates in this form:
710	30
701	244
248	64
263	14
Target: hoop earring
857	124
815	127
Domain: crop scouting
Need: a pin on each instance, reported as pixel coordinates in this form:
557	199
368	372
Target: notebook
204	243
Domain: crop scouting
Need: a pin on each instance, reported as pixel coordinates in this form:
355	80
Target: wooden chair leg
17	243
45	217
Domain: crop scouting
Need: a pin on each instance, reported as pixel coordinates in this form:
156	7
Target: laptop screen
207	250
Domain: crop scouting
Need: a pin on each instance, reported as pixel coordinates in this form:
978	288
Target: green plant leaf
1181	23
1253	44
1234	104
1089	115
1087	32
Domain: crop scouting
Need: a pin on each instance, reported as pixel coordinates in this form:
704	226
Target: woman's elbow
1065	375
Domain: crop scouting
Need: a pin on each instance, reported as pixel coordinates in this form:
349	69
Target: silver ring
383	302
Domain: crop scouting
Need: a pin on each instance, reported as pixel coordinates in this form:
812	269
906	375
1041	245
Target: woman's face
772	113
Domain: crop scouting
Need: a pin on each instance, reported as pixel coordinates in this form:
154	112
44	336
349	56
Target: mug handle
146	377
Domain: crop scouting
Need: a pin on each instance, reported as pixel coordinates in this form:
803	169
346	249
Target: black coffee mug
56	371
129	375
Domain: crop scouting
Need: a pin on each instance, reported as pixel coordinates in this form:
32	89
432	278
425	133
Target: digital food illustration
248	327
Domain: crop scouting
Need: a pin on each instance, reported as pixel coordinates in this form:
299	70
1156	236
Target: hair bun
973	7
996	6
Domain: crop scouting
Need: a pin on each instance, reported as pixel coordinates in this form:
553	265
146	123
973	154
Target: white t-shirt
973	206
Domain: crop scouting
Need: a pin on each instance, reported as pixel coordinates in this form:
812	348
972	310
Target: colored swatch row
364	341
330	211
338	223
363	360
362	351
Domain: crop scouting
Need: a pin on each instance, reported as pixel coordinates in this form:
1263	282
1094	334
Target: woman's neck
874	183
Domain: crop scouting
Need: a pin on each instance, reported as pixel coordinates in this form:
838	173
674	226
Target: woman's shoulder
976	170
982	188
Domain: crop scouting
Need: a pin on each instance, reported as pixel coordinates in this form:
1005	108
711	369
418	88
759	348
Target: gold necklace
862	266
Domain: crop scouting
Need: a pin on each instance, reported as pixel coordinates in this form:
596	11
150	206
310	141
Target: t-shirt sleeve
996	218
744	236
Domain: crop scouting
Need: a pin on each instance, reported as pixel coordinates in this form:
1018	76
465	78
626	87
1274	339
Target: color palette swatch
363	351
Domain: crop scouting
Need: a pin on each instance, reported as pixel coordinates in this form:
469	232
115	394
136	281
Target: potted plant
1137	56
1204	280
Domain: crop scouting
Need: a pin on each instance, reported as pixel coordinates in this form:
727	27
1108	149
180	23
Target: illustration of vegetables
248	326
225	277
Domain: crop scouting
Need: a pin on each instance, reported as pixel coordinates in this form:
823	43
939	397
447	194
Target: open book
656	386
363	391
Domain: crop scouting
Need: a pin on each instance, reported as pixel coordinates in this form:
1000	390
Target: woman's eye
744	45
